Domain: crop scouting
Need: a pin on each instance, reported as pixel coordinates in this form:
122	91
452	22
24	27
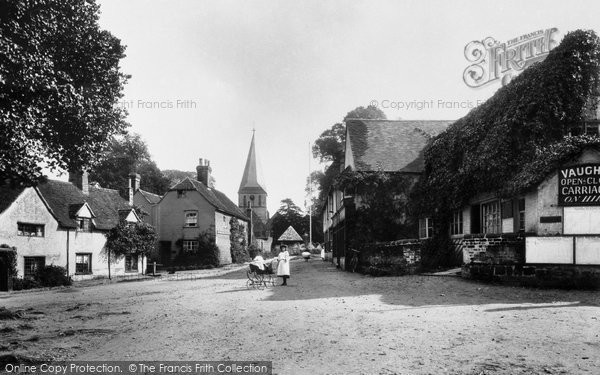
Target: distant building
252	199
191	208
64	224
291	238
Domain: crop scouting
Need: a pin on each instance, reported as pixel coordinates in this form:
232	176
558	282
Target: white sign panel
582	220
588	250
554	250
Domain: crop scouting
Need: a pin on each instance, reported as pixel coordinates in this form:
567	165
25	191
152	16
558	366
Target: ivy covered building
515	184
381	156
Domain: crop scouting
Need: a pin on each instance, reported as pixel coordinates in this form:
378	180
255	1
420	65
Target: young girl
283	267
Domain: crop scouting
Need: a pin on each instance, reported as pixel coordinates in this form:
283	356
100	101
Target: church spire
252	180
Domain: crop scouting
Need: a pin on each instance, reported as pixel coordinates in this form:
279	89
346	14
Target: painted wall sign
579	185
492	60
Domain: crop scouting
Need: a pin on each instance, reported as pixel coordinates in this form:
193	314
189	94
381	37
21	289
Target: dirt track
325	322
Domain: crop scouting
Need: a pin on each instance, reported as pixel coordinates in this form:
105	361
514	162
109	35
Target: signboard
579	185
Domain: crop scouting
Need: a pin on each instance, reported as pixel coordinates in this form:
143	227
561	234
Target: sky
205	73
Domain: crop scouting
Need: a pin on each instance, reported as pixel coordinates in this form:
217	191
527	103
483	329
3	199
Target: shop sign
579	185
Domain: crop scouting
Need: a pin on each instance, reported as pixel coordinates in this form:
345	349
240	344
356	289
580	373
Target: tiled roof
290	234
213	196
391	146
62	197
8	196
150	197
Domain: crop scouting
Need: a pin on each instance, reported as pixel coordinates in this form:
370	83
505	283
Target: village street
325	322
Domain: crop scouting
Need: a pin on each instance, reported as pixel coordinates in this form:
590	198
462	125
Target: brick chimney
203	169
80	180
134	185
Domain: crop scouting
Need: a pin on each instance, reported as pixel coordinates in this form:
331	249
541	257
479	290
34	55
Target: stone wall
493	248
548	276
390	258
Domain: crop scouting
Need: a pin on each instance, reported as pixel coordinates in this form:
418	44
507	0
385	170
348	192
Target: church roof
290	234
252	180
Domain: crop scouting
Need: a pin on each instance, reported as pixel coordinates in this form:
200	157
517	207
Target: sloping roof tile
213	196
150	197
8	196
391	146
290	234
61	197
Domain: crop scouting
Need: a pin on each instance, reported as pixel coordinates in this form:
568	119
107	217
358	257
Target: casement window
191	219
456	226
84	224
490	217
32	264
190	246
30	230
131	263
521	215
425	228
83	263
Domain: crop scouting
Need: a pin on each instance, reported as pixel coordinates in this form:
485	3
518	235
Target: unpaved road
325	322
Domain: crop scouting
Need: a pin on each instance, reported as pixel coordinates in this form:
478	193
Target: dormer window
84	224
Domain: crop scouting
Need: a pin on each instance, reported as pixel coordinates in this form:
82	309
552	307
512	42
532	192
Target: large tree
60	83
329	148
126	154
288	214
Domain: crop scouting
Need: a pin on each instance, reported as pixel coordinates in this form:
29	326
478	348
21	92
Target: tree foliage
127	238
238	242
60	82
125	154
329	148
382	210
497	143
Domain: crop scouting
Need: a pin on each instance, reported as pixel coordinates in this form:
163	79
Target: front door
3	275
165	252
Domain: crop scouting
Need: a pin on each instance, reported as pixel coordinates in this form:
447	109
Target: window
191	219
84	224
259	200
456	227
245	202
131	263
180	193
32	264
83	263
190	246
30	230
425	228
490	217
522	215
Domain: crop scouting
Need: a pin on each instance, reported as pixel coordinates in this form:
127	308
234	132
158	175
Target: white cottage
64	224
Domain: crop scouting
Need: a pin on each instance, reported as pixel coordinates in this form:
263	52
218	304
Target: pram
260	279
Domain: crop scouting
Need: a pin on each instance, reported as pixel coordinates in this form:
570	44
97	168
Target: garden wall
399	257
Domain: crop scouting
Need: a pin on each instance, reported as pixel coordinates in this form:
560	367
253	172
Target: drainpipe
68	252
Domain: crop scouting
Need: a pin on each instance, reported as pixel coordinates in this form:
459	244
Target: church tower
253	191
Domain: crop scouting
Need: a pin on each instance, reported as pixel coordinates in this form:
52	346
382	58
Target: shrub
50	276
